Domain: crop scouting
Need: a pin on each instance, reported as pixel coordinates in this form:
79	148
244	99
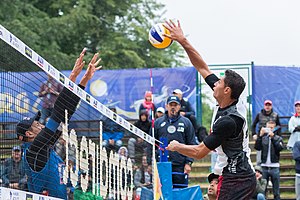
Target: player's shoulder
225	121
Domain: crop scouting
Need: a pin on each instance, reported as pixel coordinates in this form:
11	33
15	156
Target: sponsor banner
9	194
280	84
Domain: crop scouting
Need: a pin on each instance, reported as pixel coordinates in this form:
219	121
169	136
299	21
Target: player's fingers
97	63
82	64
83	51
167	25
99	67
94	58
172	23
82	55
167	35
178	22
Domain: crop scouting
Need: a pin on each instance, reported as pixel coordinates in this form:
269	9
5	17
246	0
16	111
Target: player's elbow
202	151
199	155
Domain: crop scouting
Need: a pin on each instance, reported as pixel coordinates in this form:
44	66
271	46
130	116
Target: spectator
148	105
49	92
136	145
14	173
213	180
174	126
261	185
270	146
143	175
294	126
296	157
186	109
112	133
265	115
123	153
160	111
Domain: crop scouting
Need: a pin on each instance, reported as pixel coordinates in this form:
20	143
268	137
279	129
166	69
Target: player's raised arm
176	34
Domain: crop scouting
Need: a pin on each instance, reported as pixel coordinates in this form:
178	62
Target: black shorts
236	187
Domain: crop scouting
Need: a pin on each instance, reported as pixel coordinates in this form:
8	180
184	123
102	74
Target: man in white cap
186	109
160	111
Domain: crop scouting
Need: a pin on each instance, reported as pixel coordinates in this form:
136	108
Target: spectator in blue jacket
296	157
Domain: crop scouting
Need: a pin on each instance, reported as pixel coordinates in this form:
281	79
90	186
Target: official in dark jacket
173	126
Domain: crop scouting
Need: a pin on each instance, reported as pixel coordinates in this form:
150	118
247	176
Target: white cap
160	109
177	91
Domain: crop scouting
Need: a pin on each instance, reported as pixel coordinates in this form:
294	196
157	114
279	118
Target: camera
267	130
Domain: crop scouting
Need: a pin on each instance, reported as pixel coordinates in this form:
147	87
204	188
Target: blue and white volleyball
156	37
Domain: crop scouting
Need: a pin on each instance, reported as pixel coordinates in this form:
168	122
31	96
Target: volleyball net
100	151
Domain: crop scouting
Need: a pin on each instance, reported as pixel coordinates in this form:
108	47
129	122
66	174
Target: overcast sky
240	31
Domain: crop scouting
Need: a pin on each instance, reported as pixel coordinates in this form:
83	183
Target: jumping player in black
229	135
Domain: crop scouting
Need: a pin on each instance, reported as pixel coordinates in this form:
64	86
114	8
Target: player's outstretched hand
172	146
92	68
79	64
176	32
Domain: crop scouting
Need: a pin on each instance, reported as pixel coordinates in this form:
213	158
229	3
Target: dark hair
235	82
271	122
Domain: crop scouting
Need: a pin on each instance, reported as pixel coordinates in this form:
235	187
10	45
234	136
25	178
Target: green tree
59	29
207	112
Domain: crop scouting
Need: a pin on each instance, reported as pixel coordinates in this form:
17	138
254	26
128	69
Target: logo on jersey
180	129
163	124
171	129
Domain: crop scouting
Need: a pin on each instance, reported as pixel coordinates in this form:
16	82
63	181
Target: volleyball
156	37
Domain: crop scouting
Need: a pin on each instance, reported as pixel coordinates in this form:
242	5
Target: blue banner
278	84
123	89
